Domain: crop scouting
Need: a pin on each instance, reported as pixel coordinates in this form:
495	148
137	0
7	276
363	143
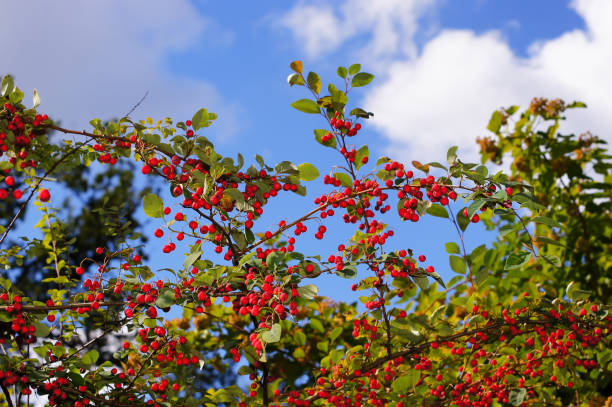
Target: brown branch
7	395
35	308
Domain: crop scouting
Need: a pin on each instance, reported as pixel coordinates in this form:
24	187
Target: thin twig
137	104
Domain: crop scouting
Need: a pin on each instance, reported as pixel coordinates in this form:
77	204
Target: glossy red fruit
44	195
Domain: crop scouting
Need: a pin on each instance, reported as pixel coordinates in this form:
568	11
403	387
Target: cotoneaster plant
510	328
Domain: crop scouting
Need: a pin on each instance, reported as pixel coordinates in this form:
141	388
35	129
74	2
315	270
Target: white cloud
390	24
444	95
97	59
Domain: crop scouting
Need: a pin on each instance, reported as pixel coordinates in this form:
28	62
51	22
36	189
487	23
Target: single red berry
44	195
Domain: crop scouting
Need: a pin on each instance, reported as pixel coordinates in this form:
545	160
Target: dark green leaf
457	264
437	210
359	156
361	79
406	382
165	298
347	272
342	72
517	260
314	82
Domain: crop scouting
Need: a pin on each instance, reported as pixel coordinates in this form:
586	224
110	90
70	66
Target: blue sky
441	68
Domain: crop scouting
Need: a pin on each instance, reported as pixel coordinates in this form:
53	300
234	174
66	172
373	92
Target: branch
7	395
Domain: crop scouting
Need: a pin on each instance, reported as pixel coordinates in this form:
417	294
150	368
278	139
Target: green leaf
361	79
457	264
495	122
165	299
353	69
200	119
462	220
189	260
7	85
550	259
319	133
451	155
359	155
347	272
437	165
286	167
517	260
306	106
273	335
308	172
406	382
336	332
452	247
35	99
437	210
314	82
475	206
547	221
16	96
437	314
481	275
308	292
345	179
517	396
342	72
544	239
90	357
295	79
359	112
153	205
239	238
42	330
317	325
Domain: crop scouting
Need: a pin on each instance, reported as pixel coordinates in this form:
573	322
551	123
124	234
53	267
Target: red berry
44	195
